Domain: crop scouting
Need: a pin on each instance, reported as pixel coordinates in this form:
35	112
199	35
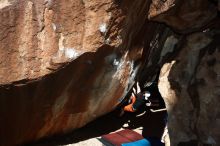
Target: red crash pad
120	137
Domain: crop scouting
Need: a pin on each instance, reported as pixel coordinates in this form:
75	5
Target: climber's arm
129	107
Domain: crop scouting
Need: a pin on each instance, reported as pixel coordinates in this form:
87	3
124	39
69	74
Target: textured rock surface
190	87
183	16
37	37
64	63
189	69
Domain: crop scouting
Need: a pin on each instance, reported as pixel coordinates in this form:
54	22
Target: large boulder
189	85
189	68
64	63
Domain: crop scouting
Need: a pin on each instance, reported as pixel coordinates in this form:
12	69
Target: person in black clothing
139	98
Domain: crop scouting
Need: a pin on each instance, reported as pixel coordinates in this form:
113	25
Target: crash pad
142	142
121	137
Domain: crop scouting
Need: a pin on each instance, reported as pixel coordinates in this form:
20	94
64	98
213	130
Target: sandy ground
91	142
144	122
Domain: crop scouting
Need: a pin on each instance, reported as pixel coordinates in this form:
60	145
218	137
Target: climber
137	99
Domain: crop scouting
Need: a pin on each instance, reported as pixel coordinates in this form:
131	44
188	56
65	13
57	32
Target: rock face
189	67
38	37
189	77
181	15
64	63
190	87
